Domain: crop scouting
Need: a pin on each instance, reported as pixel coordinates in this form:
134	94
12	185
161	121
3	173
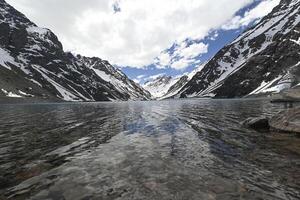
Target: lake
177	149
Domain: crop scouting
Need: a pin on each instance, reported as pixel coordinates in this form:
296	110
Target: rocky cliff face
33	64
179	84
264	59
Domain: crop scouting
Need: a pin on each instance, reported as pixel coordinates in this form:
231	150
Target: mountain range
34	64
263	60
165	87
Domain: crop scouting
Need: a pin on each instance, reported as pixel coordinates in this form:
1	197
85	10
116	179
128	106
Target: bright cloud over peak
135	32
248	17
182	55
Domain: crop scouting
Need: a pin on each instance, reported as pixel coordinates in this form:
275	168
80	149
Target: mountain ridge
255	59
33	62
165	87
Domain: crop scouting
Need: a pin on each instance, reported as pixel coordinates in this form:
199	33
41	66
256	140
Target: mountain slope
160	85
33	63
165	87
173	90
264	59
181	82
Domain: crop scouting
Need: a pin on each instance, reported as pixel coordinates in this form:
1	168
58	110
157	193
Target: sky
146	38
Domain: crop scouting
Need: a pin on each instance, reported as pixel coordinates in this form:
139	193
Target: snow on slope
32	59
258	56
160	86
5	58
115	77
181	82
164	87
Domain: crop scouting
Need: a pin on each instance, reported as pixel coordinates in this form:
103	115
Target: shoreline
34	100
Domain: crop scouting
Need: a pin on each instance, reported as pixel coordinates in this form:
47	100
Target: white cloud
214	36
144	78
141	76
164	59
155	76
193	50
182	64
182	56
136	34
258	12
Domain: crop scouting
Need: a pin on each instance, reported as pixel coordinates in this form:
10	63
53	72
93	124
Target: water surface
187	149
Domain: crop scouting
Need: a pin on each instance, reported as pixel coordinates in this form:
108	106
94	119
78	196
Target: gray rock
286	121
258	123
4	37
4	182
18	39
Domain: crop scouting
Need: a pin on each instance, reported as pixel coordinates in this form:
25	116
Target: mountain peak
257	62
33	62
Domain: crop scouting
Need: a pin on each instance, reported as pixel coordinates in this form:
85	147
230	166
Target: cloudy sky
146	37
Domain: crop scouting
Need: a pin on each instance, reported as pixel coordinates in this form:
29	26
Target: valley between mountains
214	133
262	61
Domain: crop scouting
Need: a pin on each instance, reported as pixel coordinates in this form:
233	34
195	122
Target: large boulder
257	123
286	121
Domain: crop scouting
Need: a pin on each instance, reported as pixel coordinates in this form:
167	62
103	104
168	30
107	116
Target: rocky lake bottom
177	149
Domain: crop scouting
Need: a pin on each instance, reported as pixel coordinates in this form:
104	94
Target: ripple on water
192	149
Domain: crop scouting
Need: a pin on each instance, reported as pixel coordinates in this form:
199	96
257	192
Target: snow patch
25	94
11	94
121	85
159	88
5	58
66	95
38	30
266	87
34	81
296	41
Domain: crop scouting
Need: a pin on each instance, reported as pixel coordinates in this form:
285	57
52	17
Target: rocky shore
287	121
290	95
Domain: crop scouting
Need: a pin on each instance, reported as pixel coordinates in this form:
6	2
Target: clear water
188	149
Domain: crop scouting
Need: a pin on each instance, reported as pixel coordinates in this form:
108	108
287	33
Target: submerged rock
287	121
257	123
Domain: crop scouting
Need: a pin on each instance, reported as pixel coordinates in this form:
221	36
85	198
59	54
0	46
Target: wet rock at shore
286	121
257	123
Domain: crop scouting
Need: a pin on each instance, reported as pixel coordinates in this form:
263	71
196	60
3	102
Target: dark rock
289	96
178	85
4	182
286	121
257	123
4	37
18	38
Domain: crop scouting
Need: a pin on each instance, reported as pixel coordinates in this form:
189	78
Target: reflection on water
190	149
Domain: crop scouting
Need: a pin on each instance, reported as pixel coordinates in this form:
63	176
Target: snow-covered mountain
164	87
264	59
33	64
159	86
180	82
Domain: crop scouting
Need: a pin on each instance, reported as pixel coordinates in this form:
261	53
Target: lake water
187	149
